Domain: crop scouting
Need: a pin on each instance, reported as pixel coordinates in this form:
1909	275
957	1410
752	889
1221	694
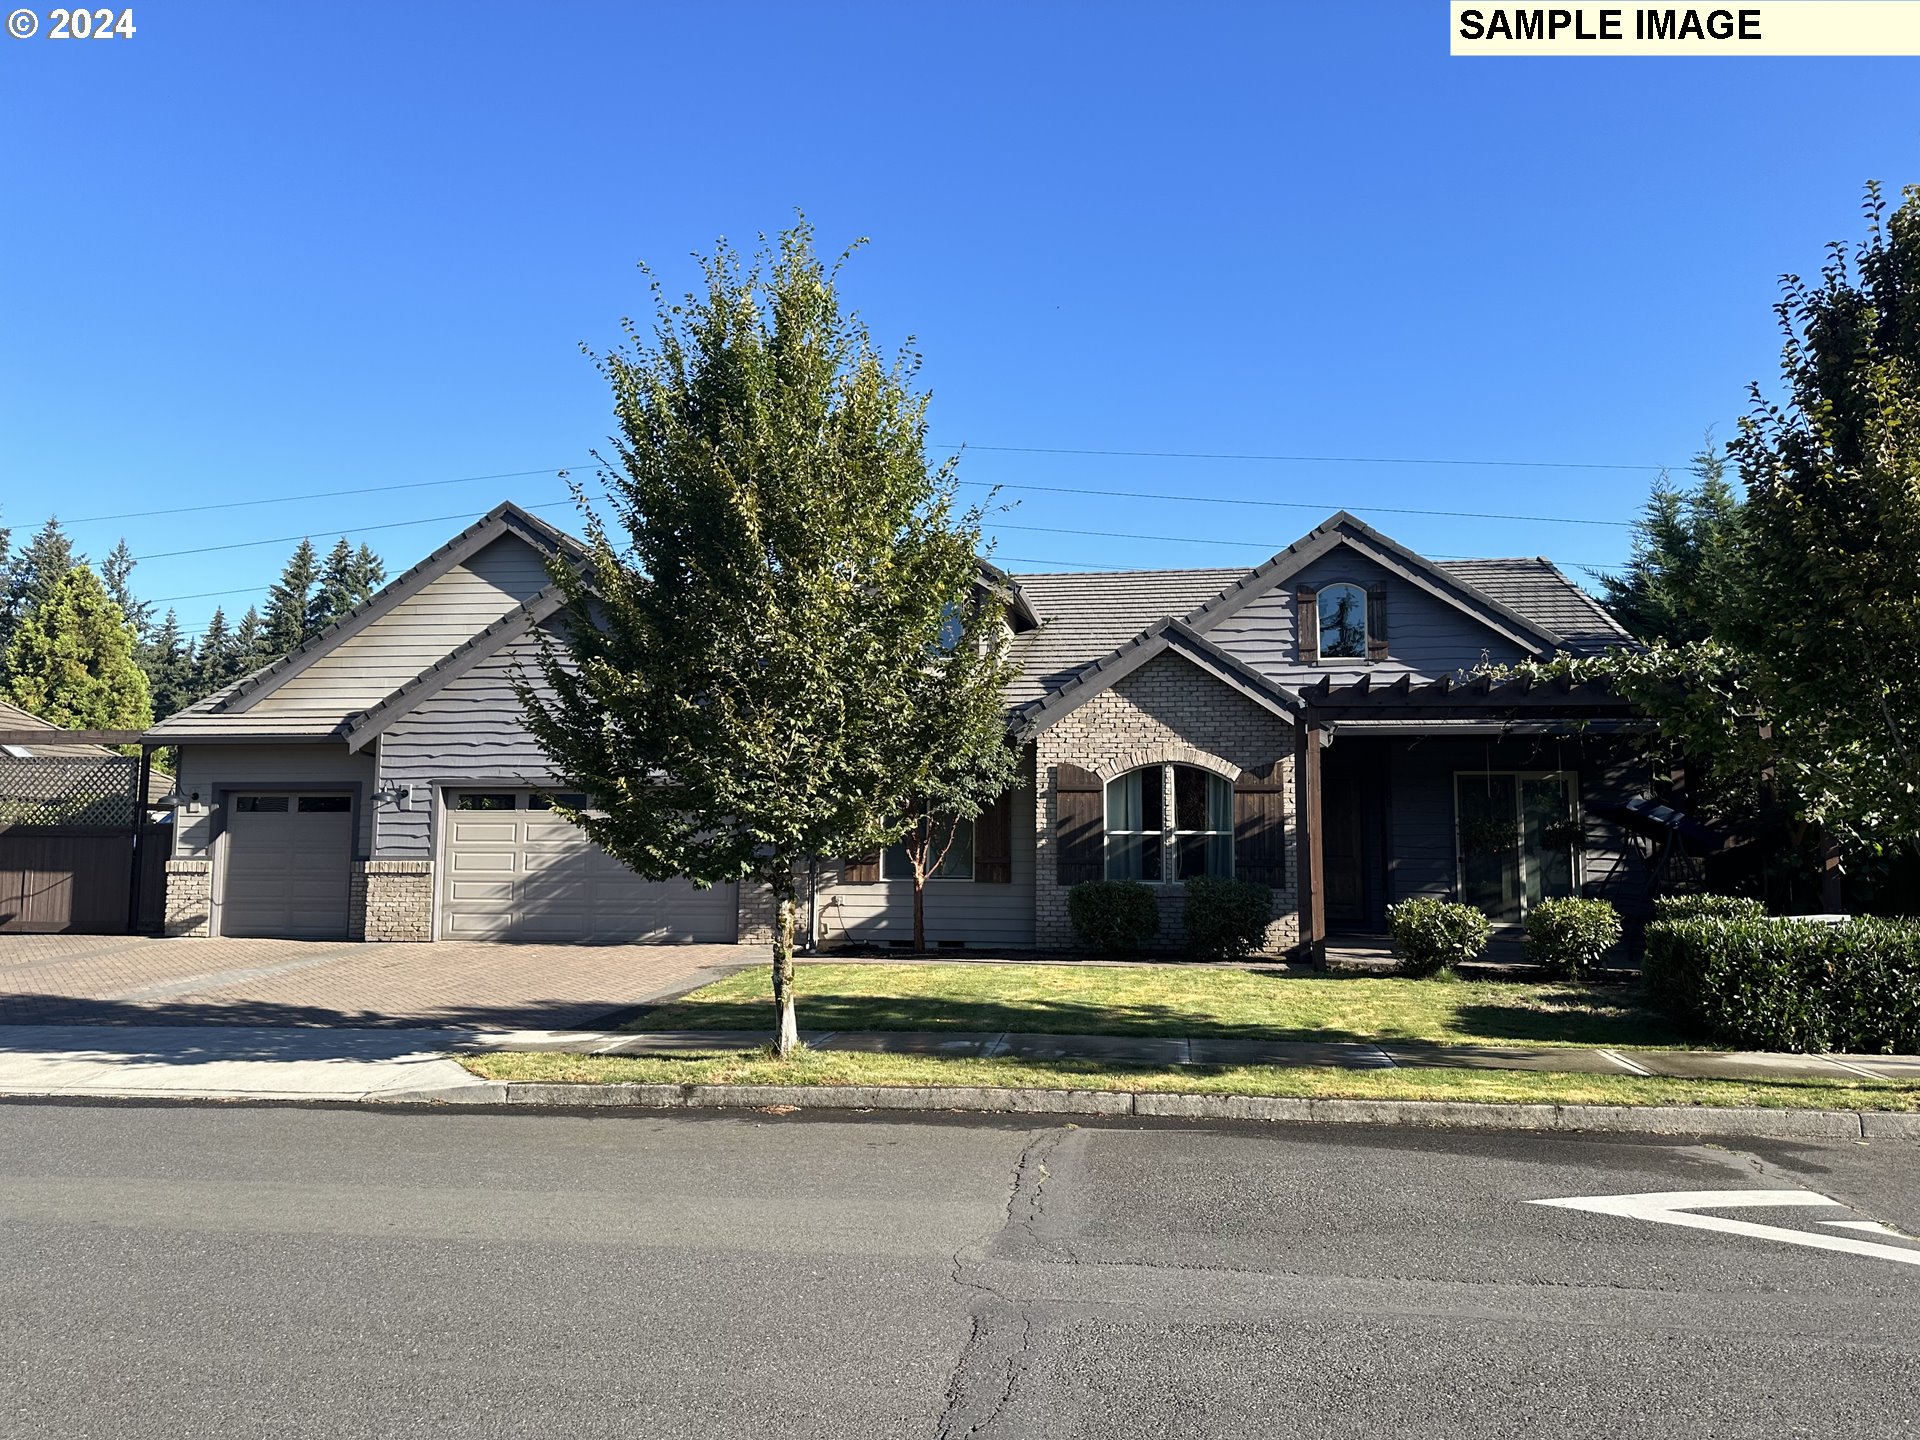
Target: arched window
1343	622
1150	839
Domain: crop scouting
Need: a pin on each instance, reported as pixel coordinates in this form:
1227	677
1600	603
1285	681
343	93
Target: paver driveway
119	979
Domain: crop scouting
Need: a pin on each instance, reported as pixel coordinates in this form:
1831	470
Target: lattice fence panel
68	790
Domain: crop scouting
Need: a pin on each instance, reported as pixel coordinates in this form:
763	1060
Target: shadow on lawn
1572	1016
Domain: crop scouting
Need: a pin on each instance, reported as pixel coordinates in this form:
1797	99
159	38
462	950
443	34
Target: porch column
1309	739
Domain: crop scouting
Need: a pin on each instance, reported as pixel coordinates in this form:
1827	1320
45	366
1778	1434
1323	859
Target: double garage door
512	869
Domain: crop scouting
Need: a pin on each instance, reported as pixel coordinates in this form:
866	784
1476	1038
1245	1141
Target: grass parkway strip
1178	1000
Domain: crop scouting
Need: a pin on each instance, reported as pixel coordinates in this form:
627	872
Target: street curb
1617	1119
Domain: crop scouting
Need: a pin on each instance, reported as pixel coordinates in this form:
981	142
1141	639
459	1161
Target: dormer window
1341	622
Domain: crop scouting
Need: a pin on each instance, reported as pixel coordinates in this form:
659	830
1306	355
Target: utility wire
559	470
1312	459
322	495
1321	506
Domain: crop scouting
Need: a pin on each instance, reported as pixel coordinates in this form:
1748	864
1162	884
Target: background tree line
78	647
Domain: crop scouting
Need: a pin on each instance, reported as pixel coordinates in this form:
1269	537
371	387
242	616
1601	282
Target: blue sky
268	250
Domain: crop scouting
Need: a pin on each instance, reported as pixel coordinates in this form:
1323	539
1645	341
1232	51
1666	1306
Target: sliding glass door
1515	838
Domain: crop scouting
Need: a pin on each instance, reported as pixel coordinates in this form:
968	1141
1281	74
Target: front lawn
1524	1086
1177	1000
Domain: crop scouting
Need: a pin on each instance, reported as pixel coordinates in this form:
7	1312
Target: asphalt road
225	1272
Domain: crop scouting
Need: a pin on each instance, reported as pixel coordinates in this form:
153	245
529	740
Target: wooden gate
68	847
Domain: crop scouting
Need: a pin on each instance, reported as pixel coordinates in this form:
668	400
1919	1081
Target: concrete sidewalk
229	1062
334	1063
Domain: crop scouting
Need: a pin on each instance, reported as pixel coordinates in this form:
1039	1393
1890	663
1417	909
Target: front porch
1481	793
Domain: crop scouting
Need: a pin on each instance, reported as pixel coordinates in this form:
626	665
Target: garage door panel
287	868
550	882
484	832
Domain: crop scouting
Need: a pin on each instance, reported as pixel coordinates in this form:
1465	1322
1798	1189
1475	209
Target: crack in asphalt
995	1354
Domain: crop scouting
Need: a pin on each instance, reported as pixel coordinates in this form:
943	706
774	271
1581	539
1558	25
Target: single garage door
512	869
288	858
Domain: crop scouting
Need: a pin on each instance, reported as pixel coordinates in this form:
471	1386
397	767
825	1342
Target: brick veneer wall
392	900
189	897
1169	710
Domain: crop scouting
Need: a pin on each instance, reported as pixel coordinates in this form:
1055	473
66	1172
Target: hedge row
1756	983
1225	919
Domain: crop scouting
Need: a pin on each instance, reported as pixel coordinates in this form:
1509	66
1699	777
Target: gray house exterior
1299	723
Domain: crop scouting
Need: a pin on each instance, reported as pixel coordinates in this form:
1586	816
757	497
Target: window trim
1168	834
1366	624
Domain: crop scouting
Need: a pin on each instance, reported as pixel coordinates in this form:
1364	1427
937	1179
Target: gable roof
360	729
1344	529
231	713
1163	636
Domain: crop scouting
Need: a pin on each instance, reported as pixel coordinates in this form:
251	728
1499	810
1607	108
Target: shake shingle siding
471	729
1425	636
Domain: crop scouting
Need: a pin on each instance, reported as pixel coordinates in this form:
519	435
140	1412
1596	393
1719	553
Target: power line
468	515
1264	545
1313	459
1323	507
557	470
320	495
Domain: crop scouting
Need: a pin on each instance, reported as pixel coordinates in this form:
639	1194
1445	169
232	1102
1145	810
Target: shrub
1707	907
1767	984
1116	915
1569	936
1226	919
1435	935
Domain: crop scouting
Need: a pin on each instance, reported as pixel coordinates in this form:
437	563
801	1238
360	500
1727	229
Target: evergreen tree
215	656
289	618
33	573
169	667
347	580
368	574
250	649
1685	544
71	660
739	662
116	571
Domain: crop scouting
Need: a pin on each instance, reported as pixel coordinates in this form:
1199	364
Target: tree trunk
786	1026
919	911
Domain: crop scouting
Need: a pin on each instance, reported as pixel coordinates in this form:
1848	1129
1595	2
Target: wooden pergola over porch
1479	707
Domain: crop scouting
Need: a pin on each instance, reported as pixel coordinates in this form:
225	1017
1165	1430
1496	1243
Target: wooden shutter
993	843
1080	825
1376	622
1306	624
865	870
1260	826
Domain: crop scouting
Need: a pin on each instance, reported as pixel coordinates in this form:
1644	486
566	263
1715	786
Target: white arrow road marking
1676	1207
1871	1227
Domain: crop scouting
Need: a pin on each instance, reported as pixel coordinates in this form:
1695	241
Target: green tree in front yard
761	651
71	661
1827	618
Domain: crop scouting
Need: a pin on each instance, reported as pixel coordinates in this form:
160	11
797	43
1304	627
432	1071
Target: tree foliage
761	648
71	659
1685	547
1828	615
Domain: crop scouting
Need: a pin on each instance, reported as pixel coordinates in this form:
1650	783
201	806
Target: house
1307	723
